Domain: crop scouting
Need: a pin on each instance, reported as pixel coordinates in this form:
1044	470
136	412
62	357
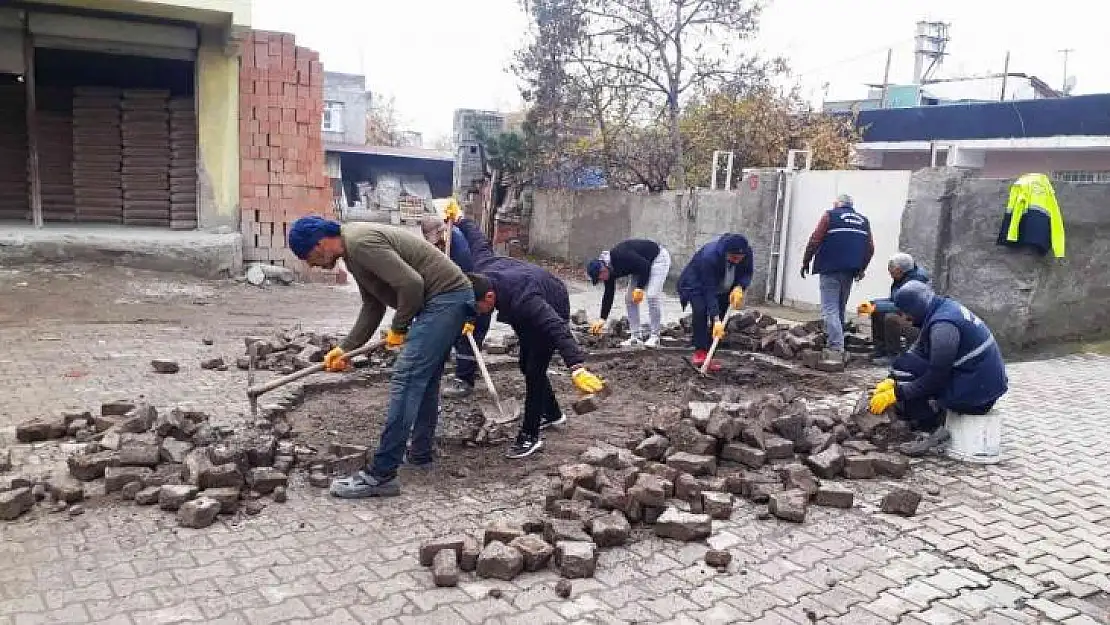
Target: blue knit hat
307	232
593	269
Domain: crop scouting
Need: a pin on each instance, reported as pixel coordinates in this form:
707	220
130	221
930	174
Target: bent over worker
954	365
481	254
715	279
647	263
432	299
843	247
535	303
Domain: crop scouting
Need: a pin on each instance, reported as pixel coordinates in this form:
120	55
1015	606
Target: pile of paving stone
686	471
176	460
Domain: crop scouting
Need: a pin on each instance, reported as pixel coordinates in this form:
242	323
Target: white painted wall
878	195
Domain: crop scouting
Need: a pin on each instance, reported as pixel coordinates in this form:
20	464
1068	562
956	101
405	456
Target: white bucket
975	438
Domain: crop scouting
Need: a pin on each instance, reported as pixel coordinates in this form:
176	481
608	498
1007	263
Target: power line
863	55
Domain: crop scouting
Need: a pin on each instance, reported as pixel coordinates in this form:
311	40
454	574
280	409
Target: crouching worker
714	280
432	299
535	303
888	327
954	365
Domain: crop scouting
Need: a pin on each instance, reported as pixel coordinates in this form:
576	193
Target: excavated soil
641	384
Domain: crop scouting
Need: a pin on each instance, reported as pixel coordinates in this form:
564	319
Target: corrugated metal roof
385	150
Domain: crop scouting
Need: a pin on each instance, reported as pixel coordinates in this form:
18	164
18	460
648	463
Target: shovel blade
507	412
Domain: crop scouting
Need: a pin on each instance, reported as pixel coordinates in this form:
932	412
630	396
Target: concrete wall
350	89
577	225
217	133
951	225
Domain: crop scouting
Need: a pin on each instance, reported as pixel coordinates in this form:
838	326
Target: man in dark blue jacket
535	303
954	365
843	247
480	252
715	279
647	264
888	327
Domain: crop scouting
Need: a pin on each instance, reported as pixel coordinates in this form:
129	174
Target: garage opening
117	138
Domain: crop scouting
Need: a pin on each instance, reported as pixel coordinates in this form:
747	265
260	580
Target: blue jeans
835	289
414	385
466	367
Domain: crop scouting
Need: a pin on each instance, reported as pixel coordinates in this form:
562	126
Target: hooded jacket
702	277
535	303
965	369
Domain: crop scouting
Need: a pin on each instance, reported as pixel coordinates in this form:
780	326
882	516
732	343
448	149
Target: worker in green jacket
432	299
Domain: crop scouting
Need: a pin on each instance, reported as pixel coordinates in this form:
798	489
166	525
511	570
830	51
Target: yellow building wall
218	128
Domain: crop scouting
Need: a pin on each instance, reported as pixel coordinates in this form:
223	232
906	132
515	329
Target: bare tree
382	123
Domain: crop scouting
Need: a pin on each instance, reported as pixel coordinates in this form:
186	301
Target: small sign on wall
753	182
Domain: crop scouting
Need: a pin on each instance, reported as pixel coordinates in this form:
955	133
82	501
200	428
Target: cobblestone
980	552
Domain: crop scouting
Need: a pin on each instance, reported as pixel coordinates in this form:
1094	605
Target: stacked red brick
97	154
14	203
282	173
55	148
183	164
145	131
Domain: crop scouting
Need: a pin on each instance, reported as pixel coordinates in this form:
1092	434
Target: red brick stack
183	164
282	174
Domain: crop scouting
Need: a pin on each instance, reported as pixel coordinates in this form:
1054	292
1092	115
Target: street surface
1025	541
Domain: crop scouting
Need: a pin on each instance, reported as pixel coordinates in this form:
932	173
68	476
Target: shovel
704	370
253	392
508	409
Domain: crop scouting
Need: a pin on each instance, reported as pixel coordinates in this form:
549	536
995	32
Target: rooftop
385	150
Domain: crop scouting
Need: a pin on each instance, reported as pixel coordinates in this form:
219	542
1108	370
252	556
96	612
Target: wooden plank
32	129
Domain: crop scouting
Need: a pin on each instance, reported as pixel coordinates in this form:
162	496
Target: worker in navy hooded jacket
535	303
714	280
954	365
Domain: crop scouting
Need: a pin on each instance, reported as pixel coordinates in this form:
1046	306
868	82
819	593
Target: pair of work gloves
336	360
883	397
736	302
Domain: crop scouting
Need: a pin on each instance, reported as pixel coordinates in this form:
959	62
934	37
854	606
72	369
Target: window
333	116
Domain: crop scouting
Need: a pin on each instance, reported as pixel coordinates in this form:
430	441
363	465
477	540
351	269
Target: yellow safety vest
1035	192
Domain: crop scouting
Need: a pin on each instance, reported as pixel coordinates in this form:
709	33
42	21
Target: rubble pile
689	468
285	352
176	460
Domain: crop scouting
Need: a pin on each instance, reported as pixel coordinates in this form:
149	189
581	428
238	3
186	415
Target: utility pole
1005	76
886	78
1066	52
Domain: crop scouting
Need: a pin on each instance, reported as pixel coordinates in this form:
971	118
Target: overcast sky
435	56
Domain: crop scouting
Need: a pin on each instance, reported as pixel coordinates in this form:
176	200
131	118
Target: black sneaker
547	422
524	446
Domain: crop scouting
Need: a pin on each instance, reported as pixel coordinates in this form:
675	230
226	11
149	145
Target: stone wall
951	225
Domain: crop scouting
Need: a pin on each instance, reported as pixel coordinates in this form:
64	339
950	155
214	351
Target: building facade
346	105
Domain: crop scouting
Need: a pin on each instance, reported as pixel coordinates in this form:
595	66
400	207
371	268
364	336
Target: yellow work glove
866	308
336	360
586	381
719	330
597	327
452	212
882	400
885	385
394	339
736	298
468	328
637	296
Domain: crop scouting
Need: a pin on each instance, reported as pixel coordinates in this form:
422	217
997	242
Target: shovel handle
266	387
713	347
447	240
485	372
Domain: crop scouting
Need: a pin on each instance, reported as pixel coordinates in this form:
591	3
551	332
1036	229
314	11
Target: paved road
1026	541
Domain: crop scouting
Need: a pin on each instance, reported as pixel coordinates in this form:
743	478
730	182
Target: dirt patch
642	384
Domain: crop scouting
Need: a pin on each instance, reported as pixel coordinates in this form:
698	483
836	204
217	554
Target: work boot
457	389
652	342
921	446
699	359
363	485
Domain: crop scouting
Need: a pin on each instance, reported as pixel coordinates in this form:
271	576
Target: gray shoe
457	389
362	485
921	446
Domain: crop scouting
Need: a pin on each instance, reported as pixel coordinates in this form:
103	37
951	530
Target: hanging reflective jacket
1033	217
